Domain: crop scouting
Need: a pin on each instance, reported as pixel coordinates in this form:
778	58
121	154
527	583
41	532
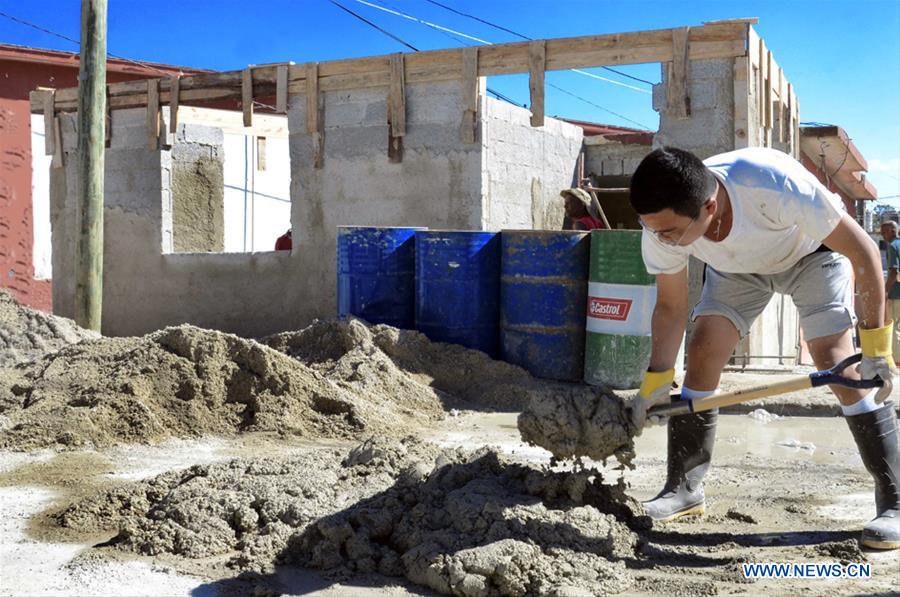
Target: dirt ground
788	490
348	460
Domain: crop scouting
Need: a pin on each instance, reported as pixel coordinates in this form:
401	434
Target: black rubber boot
691	439
876	437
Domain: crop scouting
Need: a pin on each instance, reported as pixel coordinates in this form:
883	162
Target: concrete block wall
437	184
145	287
710	128
198	192
441	182
605	157
525	168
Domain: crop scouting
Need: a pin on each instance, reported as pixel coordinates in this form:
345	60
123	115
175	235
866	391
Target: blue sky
842	57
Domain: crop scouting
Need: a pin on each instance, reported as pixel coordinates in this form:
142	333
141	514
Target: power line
408	45
486	42
525	37
587	101
371	24
444	29
78	43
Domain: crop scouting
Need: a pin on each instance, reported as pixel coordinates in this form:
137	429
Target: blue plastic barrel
458	287
543	299
376	269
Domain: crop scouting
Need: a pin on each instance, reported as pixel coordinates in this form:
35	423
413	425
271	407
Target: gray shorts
820	284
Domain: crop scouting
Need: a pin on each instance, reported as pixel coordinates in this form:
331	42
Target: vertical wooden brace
469	125
781	104
789	114
50	139
315	125
107	121
768	93
153	113
742	98
761	86
537	61
281	88
247	95
396	109
174	98
56	133
678	99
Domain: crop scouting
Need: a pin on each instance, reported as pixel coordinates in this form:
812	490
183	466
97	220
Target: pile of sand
383	360
462	523
26	334
185	382
569	420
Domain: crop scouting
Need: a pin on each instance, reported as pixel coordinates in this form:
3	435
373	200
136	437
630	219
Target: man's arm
669	319
852	241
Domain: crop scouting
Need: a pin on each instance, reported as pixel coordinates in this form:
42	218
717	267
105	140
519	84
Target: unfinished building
399	140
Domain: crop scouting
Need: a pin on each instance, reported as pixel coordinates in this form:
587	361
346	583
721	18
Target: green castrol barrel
621	297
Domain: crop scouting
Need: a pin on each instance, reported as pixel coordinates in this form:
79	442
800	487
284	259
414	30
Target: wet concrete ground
789	490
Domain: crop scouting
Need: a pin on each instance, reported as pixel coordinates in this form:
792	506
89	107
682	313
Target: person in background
892	282
580	210
284	243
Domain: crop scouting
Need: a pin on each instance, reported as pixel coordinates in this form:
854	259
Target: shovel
814	380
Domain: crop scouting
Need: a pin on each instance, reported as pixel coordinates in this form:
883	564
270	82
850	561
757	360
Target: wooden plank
281	89
107	120
174	99
247	95
742	101
768	93
260	153
789	116
153	113
470	94
537	61
796	127
49	122
56	131
677	93
312	97
315	124
780	105
721	40
761	87
397	96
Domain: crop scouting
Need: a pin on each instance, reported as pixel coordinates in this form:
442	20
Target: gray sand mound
383	359
461	523
569	420
184	382
26	334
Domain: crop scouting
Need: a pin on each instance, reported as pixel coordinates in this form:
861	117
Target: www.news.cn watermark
806	570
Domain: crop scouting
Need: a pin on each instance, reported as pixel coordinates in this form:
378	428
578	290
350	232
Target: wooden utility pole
91	148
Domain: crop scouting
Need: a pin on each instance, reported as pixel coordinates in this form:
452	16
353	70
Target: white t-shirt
780	214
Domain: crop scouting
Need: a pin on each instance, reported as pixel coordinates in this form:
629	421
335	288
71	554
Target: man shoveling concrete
762	224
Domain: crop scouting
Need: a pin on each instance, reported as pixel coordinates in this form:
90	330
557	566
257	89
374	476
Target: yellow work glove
655	389
877	359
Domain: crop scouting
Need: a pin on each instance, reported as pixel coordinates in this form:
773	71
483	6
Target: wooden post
678	98
91	148
537	63
470	94
396	109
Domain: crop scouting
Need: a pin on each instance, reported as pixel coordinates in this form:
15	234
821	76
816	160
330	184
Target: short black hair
671	178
